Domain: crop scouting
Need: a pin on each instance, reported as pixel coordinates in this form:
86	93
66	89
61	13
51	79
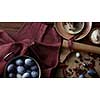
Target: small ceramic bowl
95	36
12	61
73	27
59	26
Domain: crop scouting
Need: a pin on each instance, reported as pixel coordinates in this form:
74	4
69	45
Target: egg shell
78	54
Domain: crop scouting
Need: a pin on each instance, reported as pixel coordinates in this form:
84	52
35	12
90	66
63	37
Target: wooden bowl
61	31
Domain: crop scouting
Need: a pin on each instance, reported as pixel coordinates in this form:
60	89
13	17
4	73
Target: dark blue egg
34	74
91	72
26	75
81	76
19	62
11	75
29	62
27	67
20	69
10	68
34	68
29	71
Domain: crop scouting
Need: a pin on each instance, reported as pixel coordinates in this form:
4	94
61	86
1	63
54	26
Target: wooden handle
83	47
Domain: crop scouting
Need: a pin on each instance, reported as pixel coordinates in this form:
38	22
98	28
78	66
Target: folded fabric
39	40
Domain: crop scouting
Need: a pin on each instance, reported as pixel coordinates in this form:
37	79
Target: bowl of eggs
22	67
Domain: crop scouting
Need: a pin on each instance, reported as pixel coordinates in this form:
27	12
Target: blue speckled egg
19	62
27	67
20	69
81	76
29	71
34	68
34	74
91	72
11	75
29	62
19	76
10	68
26	75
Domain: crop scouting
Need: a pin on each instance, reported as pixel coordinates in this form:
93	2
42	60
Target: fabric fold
35	39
